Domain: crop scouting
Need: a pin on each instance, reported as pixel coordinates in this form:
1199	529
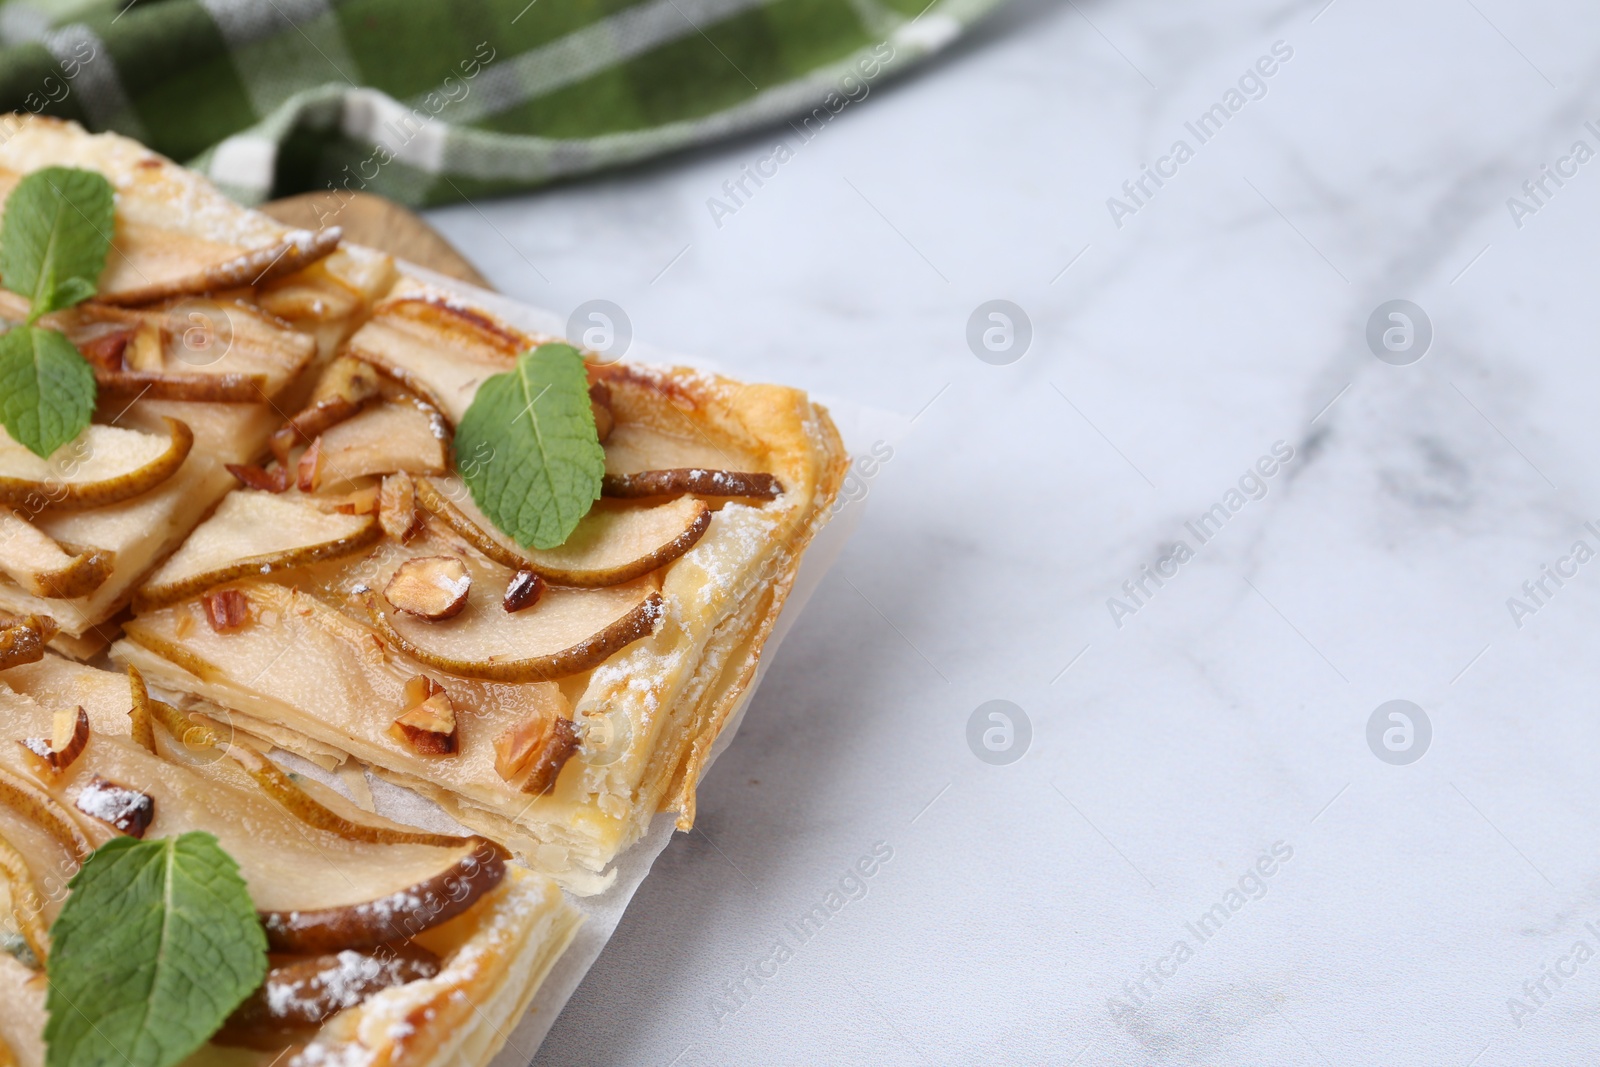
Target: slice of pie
387	945
210	323
552	700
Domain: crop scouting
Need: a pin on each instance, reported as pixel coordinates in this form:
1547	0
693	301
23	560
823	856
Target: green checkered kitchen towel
432	101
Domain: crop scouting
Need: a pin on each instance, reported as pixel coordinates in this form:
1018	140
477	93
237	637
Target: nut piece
310	470
357	502
105	351
398	513
129	810
429	723
600	404
430	587
543	743
524	591
251	476
227	610
69	736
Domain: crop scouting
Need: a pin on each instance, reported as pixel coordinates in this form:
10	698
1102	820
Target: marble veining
1432	911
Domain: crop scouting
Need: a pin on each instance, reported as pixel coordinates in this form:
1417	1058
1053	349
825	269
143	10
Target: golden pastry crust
650	714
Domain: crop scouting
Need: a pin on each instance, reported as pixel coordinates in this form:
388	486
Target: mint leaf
538	463
155	947
47	391
55	237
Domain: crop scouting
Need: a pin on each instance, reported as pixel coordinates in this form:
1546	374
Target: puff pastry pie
270	507
560	727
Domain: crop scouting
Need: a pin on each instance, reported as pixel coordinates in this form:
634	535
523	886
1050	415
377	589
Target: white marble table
1422	912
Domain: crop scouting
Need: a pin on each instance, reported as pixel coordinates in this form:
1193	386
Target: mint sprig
156	945
538	460
47	391
54	239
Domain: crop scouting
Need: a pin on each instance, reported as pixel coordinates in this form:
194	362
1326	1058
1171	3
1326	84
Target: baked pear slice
150	262
299	875
438	350
21	903
567	632
254	533
103	465
44	568
611	545
383	439
22	640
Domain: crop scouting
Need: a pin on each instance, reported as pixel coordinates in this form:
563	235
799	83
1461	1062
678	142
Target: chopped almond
310	470
254	477
430	587
539	747
428	725
524	591
129	810
359	502
69	736
106	350
146	349
398	513
227	610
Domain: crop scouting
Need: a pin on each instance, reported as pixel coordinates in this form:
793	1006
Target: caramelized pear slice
610	546
104	465
399	916
151	262
569	631
381	440
43	567
697	480
141	716
289	796
254	533
23	640
181	385
27	907
343	390
39	808
301	993
316	891
440	351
